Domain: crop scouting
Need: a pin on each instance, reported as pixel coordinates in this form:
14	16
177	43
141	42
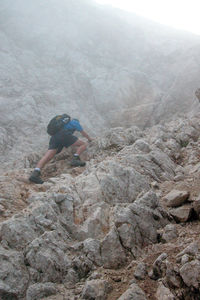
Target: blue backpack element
57	123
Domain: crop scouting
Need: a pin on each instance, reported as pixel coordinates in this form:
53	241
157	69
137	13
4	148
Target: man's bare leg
35	176
81	147
46	158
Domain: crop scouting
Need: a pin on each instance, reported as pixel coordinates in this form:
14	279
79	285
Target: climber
61	129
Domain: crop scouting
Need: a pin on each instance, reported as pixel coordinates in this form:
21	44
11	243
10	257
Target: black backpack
57	123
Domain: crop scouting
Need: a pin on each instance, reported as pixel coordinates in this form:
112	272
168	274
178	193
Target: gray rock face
113	254
96	289
159	267
14	276
141	271
76	225
163	293
133	293
47	255
40	290
122	184
169	233
190	273
176	198
181	214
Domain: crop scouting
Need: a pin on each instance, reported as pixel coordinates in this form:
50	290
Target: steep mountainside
105	67
124	227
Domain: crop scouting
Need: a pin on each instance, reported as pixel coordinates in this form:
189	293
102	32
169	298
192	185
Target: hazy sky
181	14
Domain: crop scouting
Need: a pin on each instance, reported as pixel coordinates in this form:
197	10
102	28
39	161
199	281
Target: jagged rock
169	233
196	205
190	250
21	230
137	224
6	294
40	290
117	138
181	214
95	275
163	293
17	232
156	165
47	254
93	220
71	278
176	198
172	277
179	177
190	273
140	271
159	267
82	265
141	146
97	289
92	249
184	259
112	252
134	292
122	184
14	275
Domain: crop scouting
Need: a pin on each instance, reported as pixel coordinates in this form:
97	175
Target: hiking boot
76	162
35	177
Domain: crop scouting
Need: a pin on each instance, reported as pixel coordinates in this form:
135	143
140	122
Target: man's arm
86	135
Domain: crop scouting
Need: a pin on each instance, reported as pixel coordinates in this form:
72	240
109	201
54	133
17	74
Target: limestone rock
122	184
40	290
169	233
191	250
134	292
140	271
196	206
190	273
173	278
176	198
163	293
159	267
181	214
93	251
6	293
47	254
112	252
14	275
96	289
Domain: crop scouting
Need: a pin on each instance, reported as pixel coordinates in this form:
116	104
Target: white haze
180	14
103	66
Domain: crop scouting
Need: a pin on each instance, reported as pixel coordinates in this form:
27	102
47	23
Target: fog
101	65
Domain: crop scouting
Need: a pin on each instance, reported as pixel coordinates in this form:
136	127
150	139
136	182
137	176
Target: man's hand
86	136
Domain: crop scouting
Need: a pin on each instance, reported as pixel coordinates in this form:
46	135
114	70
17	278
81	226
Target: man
63	138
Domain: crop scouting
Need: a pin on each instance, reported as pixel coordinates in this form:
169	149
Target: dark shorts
61	139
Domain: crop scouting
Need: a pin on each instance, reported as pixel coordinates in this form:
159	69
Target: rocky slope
100	65
125	227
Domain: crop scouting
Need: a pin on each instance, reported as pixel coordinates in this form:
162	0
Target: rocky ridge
125	227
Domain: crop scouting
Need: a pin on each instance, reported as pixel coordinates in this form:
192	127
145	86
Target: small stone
140	271
163	293
181	214
170	233
176	198
185	258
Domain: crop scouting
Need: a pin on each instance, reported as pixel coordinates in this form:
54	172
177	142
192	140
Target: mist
106	67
